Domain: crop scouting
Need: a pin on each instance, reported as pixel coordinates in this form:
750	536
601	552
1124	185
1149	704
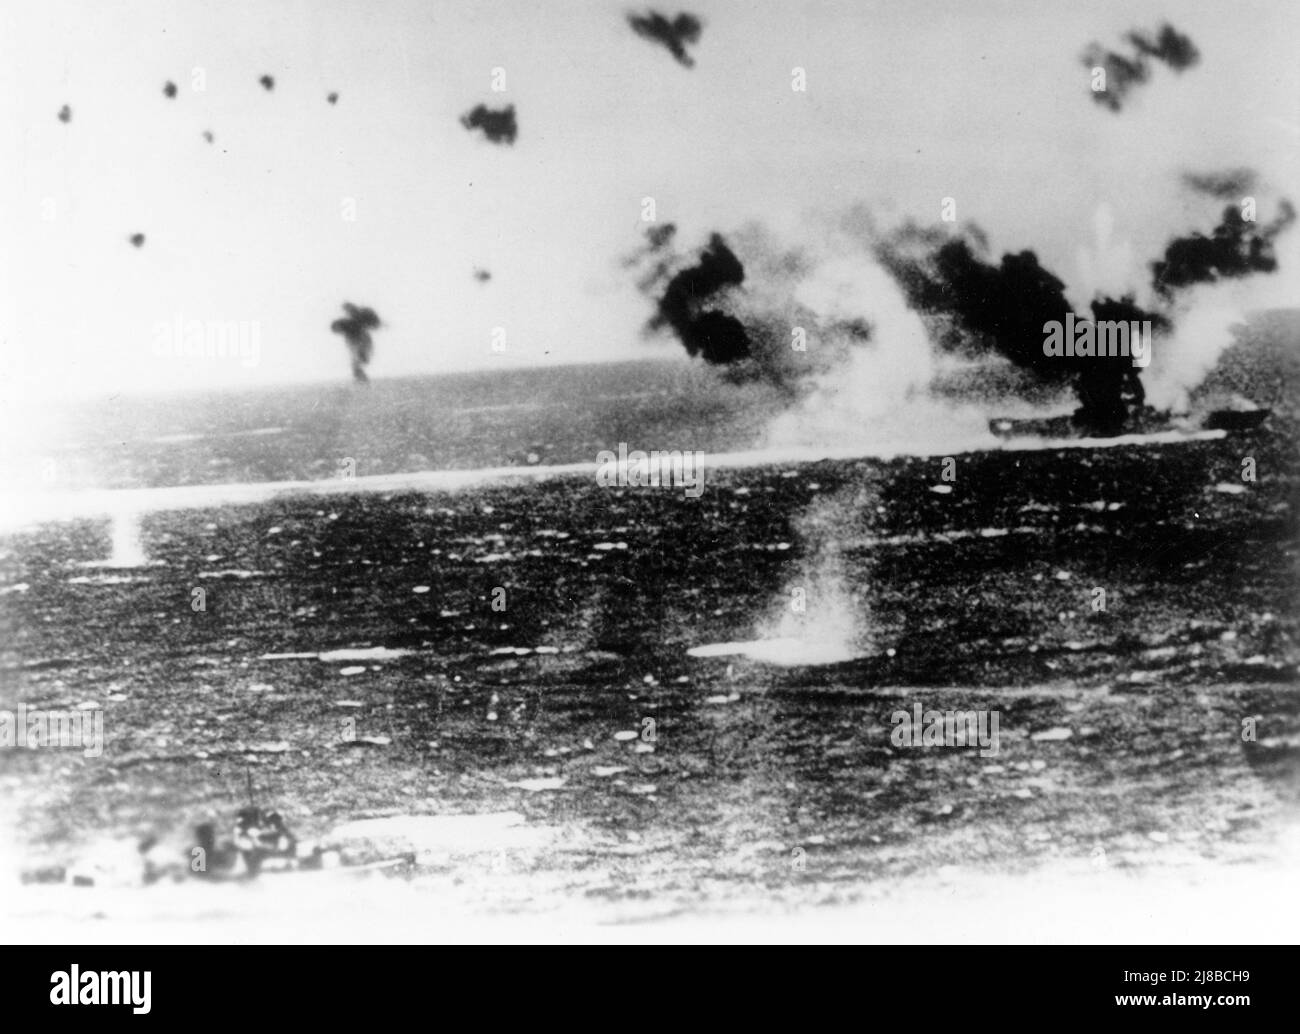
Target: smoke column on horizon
693	299
824	322
1209	285
356	328
853	321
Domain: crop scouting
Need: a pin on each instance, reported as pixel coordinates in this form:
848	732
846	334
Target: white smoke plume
865	374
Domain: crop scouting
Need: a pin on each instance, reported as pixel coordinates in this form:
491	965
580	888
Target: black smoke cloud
741	316
1236	247
972	303
1230	183
674	35
977	306
691	300
1108	388
1124	72
499	127
1170	46
355	328
1001	306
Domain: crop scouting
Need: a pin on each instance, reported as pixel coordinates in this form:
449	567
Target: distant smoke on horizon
355	328
1004	307
879	310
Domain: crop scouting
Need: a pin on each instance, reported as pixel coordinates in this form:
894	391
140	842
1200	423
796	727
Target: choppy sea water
757	784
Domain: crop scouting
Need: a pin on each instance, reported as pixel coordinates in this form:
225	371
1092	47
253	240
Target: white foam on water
175	439
786	652
20	510
171	439
111	563
368	653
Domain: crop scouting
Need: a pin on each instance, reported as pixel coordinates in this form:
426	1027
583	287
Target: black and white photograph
771	472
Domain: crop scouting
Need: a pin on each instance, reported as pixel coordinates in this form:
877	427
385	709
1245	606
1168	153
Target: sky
905	104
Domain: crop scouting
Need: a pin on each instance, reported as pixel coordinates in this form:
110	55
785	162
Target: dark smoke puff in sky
675	35
333	98
169	90
686	305
1235	248
1004	305
1170	46
355	328
660	236
1223	185
498	126
268	82
655	253
65	114
708	299
1124	72
137	239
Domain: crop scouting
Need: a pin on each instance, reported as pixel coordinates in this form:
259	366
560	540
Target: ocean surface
616	681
